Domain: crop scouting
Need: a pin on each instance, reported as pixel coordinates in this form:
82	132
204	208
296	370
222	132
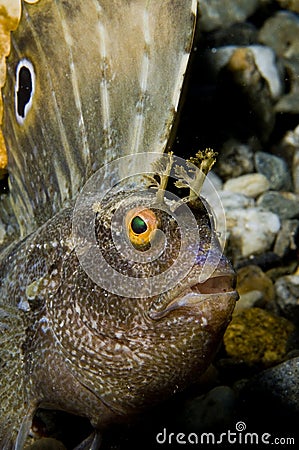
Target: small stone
242	58
255	336
235	159
285	205
276	390
266	260
254	93
233	200
275	170
281	33
213	14
292	5
253	285
248	300
2	232
209	411
277	272
287	296
252	231
287	237
251	185
290	146
288	103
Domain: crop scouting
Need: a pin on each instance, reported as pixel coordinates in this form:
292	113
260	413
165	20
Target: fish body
82	349
68	340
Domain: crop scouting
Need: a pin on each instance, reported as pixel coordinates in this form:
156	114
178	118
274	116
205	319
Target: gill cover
88	82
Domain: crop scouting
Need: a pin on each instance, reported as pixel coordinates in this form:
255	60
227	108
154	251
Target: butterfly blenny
103	307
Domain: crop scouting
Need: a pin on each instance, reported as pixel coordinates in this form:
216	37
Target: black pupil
138	225
24	90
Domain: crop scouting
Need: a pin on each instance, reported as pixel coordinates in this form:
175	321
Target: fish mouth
219	286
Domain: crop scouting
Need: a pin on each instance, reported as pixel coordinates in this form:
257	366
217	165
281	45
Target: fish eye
24	89
140	224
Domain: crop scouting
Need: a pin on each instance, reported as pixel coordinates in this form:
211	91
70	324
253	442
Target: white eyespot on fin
24	89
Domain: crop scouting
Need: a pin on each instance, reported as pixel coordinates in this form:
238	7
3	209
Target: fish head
159	299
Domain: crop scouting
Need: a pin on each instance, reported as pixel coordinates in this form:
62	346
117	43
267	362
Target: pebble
266	261
287	296
233	200
248	300
236	159
288	103
213	13
252	184
273	397
253	57
281	33
290	144
265	60
210	411
287	238
275	170
285	205
251	231
250	92
292	5
253	286
2	232
256	337
287	269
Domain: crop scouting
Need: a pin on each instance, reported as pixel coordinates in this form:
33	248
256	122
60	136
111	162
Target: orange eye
141	223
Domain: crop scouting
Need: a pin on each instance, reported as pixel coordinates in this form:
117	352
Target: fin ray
103	90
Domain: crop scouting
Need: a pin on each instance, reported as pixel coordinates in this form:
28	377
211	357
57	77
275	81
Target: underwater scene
149	224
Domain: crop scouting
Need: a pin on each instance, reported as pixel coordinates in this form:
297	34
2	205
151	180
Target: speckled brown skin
90	352
107	77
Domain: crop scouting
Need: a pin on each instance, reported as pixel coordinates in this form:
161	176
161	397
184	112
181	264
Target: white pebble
252	231
247	300
252	184
233	200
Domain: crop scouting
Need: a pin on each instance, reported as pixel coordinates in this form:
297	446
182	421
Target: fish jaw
218	289
212	279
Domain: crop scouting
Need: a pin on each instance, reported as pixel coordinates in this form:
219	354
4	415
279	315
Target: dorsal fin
89	82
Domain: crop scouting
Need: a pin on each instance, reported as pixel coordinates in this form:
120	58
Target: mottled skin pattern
107	77
92	353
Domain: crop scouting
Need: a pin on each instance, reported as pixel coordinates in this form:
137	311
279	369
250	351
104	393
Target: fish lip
220	285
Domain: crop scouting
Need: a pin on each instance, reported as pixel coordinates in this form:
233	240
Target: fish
116	292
